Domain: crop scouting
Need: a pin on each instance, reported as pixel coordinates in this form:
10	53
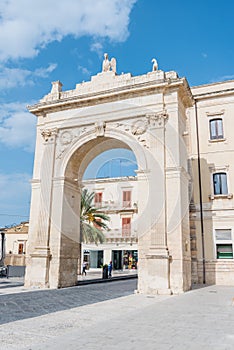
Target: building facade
13	242
118	198
211	157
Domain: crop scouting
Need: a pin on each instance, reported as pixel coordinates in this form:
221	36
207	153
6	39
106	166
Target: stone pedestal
157	278
38	273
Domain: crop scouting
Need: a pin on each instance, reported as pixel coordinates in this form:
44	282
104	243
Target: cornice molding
110	95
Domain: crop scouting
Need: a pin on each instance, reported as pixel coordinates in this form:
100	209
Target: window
98	200
220	183
126	199
20	248
224	251
223	235
224	247
126	227
216	129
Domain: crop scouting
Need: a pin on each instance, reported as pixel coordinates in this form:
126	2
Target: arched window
216	129
220	183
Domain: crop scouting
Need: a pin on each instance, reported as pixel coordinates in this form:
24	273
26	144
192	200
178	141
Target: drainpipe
200	197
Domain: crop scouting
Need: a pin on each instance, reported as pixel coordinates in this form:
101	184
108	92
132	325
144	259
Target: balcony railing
127	204
98	204
117	240
126	232
120	232
116	206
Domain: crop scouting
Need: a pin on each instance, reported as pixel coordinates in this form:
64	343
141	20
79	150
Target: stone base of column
194	270
37	268
154	272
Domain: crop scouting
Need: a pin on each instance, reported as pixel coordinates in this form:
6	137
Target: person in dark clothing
110	269
84	268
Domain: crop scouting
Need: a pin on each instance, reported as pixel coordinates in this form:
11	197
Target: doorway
117	259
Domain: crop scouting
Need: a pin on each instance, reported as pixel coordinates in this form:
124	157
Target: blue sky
43	41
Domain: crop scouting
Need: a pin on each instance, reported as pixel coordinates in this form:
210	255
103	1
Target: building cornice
78	99
211	94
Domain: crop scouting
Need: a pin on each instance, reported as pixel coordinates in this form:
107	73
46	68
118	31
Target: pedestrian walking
84	268
110	269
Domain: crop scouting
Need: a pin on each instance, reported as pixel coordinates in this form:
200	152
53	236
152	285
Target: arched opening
103	160
111	164
112	178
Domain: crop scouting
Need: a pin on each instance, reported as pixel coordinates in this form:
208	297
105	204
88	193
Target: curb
105	280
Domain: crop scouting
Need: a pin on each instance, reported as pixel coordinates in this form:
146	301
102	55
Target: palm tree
92	221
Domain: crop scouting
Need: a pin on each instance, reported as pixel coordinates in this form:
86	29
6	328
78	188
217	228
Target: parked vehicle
3	271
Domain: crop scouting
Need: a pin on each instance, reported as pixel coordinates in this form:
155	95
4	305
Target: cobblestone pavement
199	319
19	306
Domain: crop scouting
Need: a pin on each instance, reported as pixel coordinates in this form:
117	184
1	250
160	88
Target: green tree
92	220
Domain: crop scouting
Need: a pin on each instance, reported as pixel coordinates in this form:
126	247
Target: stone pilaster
37	272
65	233
154	265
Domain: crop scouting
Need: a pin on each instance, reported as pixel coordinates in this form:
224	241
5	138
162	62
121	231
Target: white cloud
227	77
14	186
223	78
26	26
44	72
84	70
12	77
97	47
17	127
15	192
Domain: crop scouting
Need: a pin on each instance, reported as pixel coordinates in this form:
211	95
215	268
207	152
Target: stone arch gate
146	114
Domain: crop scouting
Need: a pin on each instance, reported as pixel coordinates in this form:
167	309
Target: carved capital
157	120
49	134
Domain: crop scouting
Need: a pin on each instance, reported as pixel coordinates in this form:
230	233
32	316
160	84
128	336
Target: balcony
117	206
121	233
98	204
126	232
117	240
127	204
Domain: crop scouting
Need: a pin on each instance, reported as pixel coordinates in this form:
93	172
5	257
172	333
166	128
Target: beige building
181	138
13	243
211	156
119	199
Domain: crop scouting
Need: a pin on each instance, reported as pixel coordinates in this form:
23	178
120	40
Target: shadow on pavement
20	306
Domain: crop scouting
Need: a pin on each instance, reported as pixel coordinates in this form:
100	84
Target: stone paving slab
200	319
16	284
19	306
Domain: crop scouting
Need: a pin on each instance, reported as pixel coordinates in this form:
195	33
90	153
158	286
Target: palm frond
92	219
90	234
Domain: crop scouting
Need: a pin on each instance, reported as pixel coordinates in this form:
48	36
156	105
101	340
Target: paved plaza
111	316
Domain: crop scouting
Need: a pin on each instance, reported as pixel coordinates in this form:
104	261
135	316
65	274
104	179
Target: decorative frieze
139	127
65	138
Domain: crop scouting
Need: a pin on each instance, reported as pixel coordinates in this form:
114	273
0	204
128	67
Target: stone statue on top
108	65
